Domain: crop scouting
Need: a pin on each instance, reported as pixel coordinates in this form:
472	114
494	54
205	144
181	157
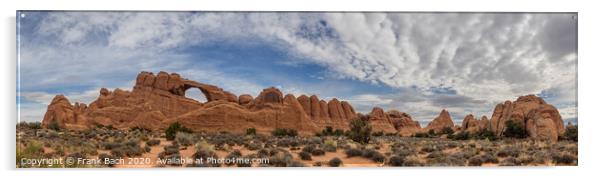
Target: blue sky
418	63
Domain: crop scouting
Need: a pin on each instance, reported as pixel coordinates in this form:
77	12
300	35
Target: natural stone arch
196	93
211	92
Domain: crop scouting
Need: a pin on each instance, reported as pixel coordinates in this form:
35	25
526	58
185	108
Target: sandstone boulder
440	122
403	123
245	99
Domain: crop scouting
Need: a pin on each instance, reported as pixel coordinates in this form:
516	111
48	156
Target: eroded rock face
159	100
440	122
472	125
542	121
403	123
245	99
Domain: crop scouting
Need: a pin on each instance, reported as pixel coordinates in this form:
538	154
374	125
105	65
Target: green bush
304	155
515	130
251	131
396	161
360	131
485	134
327	131
571	132
54	126
447	130
170	132
421	135
335	162
463	135
564	158
352	152
339	132
281	132
185	139
153	142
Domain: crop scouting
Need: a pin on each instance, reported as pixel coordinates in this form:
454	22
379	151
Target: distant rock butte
159	100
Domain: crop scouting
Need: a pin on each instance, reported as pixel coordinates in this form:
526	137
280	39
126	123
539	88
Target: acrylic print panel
138	89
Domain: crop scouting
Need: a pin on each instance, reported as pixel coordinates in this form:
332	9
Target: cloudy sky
419	63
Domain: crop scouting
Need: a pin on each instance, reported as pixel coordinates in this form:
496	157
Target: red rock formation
542	121
440	122
380	121
472	125
403	123
159	100
245	99
305	103
315	110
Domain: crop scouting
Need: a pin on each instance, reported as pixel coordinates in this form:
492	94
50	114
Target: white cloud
486	58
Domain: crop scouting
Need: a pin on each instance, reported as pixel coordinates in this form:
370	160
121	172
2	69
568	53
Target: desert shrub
403	152
317	151
480	159
412	161
281	159
153	142
435	154
304	155
515	130
129	148
173	129
234	154
295	163
510	161
30	125
462	135
485	134
254	145
488	158
109	145
564	158
330	146
570	133
475	161
54	126
309	148
373	155
379	133
353	152
360	131
396	161
339	132
327	131
335	162
447	130
263	153
281	132
421	135
251	131
508	151
428	149
185	139
378	157
204	151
